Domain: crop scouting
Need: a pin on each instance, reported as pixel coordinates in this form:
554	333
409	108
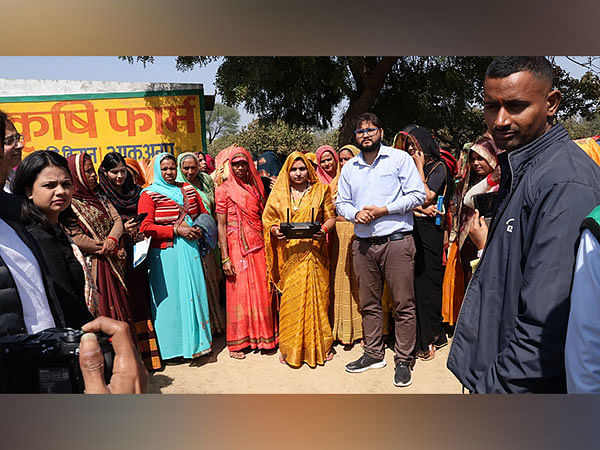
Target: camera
47	362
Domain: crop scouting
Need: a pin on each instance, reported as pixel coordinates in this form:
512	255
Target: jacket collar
520	158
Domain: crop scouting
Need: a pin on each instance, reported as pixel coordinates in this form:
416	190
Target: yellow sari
299	269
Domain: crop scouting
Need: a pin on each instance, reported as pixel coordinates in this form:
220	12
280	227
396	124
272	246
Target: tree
258	137
222	120
440	93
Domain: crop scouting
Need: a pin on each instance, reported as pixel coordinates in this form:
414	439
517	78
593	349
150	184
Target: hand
478	231
121	254
319	235
109	246
363	217
272	182
419	158
129	375
276	231
99	248
229	269
131	227
191	233
431	211
376	211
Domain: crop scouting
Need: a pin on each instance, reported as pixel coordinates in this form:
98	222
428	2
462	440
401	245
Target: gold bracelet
226	260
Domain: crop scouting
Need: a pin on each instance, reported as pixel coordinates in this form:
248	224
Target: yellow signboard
137	125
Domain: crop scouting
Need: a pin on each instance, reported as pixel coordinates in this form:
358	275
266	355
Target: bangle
324	229
226	260
112	238
175	233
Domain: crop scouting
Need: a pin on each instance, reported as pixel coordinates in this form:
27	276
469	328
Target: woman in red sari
240	201
97	234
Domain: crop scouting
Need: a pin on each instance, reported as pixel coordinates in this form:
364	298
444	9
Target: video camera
46	362
300	230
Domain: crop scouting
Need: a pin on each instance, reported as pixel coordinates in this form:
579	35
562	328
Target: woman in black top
44	181
429	242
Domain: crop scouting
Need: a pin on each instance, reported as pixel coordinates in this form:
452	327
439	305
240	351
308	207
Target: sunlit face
517	108
117	174
328	164
298	173
479	164
368	141
89	172
240	169
52	191
168	170
345	156
12	152
189	167
201	162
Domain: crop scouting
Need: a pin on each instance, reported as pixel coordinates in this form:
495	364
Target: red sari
250	310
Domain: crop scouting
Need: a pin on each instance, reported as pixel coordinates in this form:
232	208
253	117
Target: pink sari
250	308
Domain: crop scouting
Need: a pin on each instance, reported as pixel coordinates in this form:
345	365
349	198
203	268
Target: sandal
237	355
281	360
329	356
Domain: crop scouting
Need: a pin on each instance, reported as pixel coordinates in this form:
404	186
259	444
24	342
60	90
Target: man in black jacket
511	329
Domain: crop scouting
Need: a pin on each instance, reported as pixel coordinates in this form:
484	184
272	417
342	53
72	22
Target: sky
110	68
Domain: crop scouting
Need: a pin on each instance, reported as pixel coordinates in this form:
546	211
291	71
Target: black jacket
65	313
511	329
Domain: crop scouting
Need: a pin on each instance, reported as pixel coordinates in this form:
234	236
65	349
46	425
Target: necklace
296	203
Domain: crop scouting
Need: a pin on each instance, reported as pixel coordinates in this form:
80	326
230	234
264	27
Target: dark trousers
429	240
393	262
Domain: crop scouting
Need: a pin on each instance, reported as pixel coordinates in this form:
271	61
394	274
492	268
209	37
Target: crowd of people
400	239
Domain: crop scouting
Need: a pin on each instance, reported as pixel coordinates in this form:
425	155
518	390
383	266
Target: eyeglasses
12	140
367	131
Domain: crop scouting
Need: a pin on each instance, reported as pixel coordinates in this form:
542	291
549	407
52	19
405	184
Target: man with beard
378	190
510	334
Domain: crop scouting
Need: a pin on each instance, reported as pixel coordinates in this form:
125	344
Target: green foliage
259	137
222	120
328	137
579	127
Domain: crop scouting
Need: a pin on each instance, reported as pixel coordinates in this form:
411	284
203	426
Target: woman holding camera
250	310
179	303
299	268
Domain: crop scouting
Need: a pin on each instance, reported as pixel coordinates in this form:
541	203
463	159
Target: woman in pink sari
240	201
328	164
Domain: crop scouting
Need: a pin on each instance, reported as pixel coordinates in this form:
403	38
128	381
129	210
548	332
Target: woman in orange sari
240	201
299	268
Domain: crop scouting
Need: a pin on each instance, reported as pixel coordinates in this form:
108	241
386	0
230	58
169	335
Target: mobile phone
486	203
140	217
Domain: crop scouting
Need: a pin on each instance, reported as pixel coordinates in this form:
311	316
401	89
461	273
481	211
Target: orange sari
299	269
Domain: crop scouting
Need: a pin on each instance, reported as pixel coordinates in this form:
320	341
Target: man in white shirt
378	190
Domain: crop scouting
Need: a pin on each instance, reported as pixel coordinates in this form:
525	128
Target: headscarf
238	188
81	188
150	171
334	183
324	177
426	143
139	174
269	164
221	173
160	186
126	201
276	212
466	214
210	163
206	193
312	158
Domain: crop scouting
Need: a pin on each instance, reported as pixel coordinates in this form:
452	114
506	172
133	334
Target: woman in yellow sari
299	268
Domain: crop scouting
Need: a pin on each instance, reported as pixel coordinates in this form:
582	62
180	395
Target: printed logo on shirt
509	226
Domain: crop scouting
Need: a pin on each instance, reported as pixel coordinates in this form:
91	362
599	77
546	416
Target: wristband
324	229
114	239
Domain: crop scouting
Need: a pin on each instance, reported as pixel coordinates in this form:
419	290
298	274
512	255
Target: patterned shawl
203	183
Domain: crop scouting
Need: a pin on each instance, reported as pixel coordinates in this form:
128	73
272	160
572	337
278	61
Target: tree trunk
369	82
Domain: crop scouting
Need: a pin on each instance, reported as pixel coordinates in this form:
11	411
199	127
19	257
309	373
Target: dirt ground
263	374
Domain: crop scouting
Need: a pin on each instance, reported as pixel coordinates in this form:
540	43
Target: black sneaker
402	374
441	341
365	362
